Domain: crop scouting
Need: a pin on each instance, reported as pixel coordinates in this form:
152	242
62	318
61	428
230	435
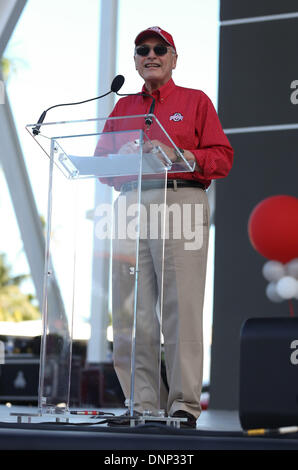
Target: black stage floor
216	430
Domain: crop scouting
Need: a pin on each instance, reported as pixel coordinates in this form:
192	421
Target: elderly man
190	119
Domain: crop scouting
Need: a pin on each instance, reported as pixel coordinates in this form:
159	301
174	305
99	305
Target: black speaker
19	378
269	373
100	386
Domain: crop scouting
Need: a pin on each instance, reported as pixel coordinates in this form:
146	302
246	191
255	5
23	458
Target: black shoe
191	420
123	420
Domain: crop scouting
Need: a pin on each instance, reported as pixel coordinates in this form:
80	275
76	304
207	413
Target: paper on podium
118	165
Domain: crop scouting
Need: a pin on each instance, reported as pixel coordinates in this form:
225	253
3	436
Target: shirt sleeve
214	154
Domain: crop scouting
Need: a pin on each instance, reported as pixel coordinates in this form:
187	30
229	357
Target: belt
159	184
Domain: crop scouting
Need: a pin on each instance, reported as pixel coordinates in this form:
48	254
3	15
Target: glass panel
137	314
116	263
150	395
65	134
58	304
76	250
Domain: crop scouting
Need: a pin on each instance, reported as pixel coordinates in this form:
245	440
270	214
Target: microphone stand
115	87
148	119
36	129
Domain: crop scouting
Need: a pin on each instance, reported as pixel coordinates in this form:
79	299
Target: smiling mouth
147	66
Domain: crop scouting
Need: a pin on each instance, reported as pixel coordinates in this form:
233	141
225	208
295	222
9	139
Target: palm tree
14	304
6	67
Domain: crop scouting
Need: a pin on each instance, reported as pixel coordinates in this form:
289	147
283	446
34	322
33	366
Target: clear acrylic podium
99	218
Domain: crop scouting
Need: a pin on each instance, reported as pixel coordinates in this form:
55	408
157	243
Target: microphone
115	87
149	119
117	83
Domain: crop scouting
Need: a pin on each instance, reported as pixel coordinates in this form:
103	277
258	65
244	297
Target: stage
216	430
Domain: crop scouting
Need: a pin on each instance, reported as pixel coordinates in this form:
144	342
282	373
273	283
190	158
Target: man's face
155	70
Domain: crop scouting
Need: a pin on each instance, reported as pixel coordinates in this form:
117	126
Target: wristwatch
178	155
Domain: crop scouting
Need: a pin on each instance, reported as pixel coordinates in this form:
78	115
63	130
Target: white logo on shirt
176	117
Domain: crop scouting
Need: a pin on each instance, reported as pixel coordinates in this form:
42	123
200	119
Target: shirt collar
161	93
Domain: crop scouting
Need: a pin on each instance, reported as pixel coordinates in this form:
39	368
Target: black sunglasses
144	50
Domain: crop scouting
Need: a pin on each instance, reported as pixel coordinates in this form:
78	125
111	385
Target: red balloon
273	228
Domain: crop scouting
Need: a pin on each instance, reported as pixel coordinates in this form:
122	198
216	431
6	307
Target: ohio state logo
176	117
155	28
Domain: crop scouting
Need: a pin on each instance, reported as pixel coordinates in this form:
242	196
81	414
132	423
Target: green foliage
14	304
6	67
5	274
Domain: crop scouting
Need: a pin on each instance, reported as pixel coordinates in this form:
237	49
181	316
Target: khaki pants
170	293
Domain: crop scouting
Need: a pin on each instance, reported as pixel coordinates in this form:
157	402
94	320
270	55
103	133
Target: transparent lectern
99	224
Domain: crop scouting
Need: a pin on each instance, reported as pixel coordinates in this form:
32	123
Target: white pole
97	350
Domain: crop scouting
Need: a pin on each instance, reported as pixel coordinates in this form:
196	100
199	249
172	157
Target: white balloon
273	271
292	268
287	287
272	294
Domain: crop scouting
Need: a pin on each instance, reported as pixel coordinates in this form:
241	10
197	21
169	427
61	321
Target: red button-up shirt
189	118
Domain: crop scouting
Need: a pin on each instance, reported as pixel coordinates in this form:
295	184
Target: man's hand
156	145
169	151
129	147
149	147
